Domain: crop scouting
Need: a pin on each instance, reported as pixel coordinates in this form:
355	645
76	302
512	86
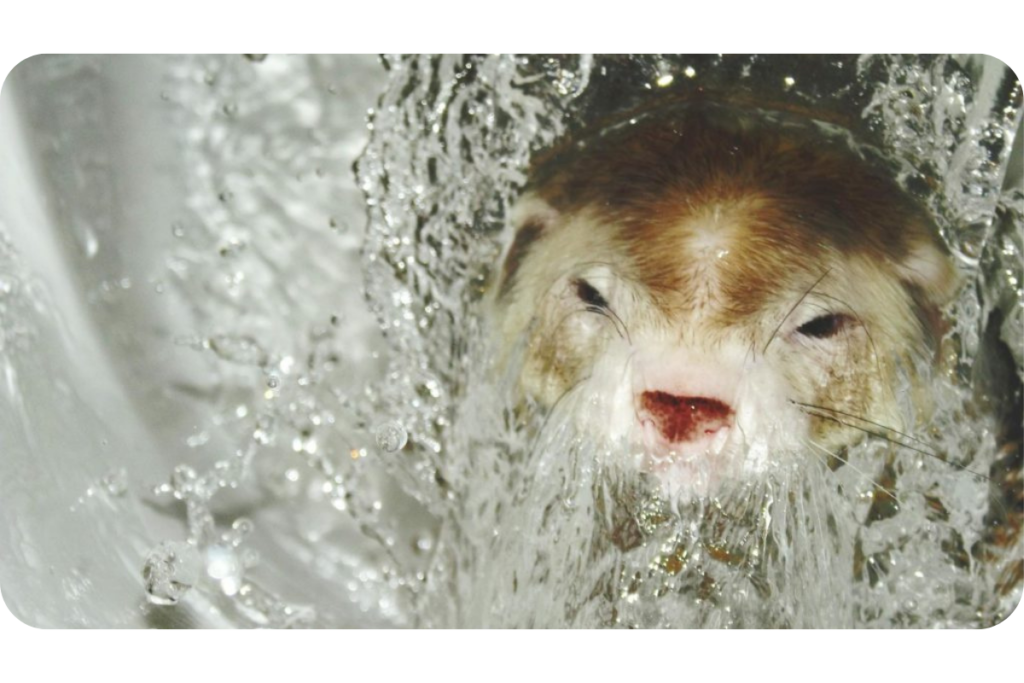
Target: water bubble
240	528
423	544
225	568
229	472
264	432
282	481
250	557
170	571
391	436
183	480
198	439
115	482
90	245
265	609
306	445
237	349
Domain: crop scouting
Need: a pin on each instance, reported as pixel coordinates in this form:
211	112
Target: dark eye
824	326
588	295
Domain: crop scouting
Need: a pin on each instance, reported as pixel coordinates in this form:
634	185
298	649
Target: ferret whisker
612	315
597	310
794	307
824	414
847	462
553	411
862	419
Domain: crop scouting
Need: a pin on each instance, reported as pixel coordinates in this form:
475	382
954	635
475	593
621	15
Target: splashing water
538	527
406	477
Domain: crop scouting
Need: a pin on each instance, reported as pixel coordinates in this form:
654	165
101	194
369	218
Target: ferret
723	285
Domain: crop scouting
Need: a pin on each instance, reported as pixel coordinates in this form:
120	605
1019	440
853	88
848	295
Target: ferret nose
685	418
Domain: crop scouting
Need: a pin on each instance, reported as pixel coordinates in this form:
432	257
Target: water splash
170	571
475	512
467	128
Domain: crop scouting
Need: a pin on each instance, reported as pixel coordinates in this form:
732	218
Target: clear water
542	531
378	453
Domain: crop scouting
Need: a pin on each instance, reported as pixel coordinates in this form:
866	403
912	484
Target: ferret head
721	290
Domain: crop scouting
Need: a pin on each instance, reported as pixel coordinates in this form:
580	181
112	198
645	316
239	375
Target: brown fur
797	195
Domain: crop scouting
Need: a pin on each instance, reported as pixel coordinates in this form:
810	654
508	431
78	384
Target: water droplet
170	571
391	436
6	285
307	444
250	557
242	526
424	544
231	471
90	245
264	432
198	439
183	480
225	568
115	482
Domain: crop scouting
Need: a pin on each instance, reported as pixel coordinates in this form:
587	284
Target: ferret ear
530	217
530	208
929	270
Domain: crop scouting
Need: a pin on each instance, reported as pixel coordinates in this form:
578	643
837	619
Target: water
545	531
370	451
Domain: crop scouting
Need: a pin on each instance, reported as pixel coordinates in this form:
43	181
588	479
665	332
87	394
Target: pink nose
685	418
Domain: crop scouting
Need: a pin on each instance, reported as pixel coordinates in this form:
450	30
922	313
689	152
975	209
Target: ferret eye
589	295
825	326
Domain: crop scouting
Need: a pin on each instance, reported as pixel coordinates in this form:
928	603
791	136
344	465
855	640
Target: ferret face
719	292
